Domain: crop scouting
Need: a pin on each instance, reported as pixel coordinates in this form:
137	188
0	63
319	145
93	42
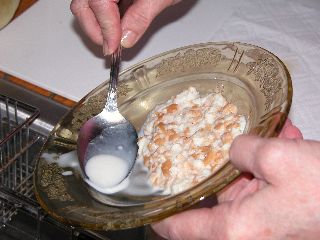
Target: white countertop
45	46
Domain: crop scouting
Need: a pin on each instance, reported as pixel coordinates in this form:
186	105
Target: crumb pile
187	138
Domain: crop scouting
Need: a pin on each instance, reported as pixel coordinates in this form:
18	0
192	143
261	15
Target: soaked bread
186	139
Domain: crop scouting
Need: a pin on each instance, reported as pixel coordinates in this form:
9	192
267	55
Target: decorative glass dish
250	77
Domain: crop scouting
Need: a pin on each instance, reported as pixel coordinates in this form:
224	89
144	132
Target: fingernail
128	39
105	47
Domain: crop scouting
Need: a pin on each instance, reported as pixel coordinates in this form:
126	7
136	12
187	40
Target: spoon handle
111	104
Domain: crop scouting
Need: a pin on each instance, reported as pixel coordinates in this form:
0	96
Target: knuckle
100	3
141	19
269	155
95	3
109	31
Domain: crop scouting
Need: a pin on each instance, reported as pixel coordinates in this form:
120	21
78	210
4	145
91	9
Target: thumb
272	159
264	158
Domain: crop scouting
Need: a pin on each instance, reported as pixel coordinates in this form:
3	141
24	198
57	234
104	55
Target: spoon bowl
110	137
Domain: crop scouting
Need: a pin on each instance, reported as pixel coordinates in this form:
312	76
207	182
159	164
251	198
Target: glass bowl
7	11
250	77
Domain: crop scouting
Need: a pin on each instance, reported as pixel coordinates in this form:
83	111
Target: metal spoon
109	132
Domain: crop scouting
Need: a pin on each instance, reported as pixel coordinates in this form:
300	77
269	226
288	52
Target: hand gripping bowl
250	77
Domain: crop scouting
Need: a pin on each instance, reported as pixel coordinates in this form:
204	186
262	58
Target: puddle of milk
136	184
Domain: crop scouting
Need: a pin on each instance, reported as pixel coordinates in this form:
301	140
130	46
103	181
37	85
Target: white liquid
69	159
136	184
106	171
67	173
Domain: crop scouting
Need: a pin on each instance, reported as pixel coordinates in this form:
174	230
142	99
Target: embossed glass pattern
250	77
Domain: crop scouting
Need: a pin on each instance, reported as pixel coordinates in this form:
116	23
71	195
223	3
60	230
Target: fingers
194	224
240	186
108	17
138	18
230	192
100	20
87	20
241	189
290	131
243	153
271	160
264	158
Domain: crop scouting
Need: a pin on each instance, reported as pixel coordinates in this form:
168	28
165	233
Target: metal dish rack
15	141
16	169
19	146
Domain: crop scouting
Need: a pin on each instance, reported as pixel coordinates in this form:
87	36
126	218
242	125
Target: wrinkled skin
278	199
100	20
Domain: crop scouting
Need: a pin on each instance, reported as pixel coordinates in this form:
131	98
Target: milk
106	171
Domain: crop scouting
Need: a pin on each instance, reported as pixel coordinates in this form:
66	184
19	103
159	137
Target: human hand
288	131
282	201
100	20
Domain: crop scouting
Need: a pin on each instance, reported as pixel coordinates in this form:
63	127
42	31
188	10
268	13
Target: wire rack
18	145
15	142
